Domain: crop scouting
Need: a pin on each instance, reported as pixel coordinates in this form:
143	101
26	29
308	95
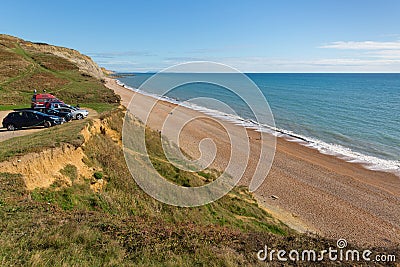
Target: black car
49	111
30	118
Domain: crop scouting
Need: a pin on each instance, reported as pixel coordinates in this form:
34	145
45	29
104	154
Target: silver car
77	114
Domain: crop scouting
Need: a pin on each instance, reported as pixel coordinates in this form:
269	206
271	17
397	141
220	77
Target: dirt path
5	134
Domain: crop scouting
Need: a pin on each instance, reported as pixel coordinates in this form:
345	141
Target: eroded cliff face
42	169
84	63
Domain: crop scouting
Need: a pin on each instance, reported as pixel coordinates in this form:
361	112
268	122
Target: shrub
98	175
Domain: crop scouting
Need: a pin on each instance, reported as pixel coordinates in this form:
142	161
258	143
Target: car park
49	111
48	103
77	114
30	118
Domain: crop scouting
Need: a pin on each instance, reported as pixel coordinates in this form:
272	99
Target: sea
355	117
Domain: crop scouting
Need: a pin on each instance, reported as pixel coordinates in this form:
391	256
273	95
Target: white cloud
389	54
363	56
354	62
123	54
364	45
369	54
265	64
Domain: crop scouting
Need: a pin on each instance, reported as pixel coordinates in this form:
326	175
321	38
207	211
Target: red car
41	100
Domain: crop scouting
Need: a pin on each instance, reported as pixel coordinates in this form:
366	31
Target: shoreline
366	161
317	192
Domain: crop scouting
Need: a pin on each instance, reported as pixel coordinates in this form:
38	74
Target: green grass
100	107
11	107
46	138
127	198
70	171
98	175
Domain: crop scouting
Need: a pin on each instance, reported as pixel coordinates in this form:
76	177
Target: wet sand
312	191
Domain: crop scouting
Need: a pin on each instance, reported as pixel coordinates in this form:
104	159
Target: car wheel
47	124
79	116
11	127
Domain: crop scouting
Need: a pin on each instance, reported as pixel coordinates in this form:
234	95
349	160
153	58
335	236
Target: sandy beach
312	192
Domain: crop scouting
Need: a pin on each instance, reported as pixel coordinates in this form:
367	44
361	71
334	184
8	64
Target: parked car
30	118
41	100
77	114
49	111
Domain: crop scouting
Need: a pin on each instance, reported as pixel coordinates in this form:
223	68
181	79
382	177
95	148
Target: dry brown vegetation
41	80
52	62
26	66
12	64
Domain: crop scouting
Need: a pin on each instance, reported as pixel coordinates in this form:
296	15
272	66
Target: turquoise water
354	116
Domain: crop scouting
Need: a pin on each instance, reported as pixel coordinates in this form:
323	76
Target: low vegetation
46	138
24	69
122	225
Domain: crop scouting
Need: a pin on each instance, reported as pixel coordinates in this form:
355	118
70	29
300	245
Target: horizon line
150	72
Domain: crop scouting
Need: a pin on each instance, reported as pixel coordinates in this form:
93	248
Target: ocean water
353	116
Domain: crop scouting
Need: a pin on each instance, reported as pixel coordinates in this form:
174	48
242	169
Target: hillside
67	197
69	75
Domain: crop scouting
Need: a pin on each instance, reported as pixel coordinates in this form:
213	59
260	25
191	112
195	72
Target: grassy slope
122	225
46	138
22	71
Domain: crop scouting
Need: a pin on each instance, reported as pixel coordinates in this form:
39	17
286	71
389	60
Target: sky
252	36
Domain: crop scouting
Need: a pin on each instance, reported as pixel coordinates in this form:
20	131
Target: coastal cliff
84	63
71	76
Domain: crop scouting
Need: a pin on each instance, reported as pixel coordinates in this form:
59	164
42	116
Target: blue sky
252	36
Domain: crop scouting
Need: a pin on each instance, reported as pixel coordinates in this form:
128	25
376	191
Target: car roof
37	112
44	96
66	108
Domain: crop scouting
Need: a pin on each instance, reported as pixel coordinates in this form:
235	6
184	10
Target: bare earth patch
40	170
